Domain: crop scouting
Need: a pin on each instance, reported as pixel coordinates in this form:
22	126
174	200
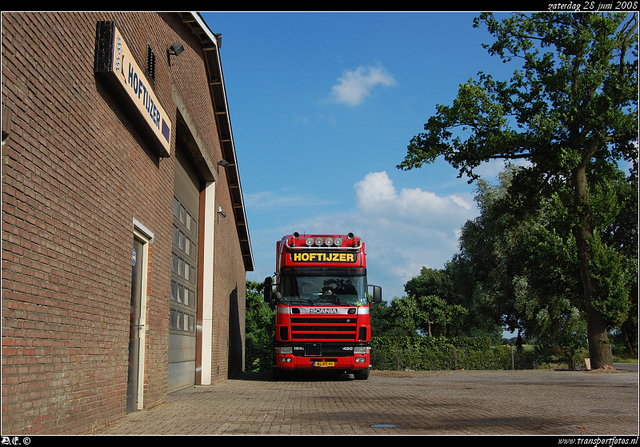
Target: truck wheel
362	374
279	374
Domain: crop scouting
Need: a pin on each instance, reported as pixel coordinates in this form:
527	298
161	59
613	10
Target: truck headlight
362	350
284	350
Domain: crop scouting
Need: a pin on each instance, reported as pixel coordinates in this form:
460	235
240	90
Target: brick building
125	244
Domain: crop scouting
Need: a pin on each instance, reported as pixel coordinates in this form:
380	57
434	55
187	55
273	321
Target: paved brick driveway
574	403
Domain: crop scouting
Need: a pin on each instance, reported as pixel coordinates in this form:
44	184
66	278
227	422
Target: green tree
433	282
415	316
258	329
406	316
383	321
438	300
481	320
622	234
441	319
571	112
524	265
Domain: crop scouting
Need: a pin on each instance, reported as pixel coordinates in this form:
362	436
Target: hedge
440	353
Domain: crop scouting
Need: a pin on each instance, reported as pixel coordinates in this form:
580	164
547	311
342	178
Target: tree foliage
523	265
417	316
570	111
259	328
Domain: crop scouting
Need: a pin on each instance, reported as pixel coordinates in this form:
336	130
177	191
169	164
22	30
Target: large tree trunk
599	349
629	351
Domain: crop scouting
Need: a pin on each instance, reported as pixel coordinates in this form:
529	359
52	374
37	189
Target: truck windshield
323	290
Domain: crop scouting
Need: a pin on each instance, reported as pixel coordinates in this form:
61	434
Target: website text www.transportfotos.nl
610	441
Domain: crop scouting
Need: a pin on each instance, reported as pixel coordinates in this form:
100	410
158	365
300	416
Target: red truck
322	305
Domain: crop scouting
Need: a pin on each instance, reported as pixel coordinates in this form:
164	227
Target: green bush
438	353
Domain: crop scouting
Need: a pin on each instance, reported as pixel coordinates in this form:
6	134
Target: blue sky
323	106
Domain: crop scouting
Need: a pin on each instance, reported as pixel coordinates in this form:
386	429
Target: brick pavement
566	403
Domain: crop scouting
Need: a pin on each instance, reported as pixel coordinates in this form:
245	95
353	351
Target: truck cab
322	305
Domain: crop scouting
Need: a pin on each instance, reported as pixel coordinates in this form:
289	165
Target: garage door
184	265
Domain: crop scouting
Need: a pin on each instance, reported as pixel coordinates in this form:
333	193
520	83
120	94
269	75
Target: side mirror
267	289
377	294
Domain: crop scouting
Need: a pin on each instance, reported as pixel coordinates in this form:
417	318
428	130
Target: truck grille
317	328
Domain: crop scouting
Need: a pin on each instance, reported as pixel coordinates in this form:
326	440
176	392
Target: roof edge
221	109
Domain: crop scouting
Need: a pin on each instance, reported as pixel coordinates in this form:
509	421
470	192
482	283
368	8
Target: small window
151	63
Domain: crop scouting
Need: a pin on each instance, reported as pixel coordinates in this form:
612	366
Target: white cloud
377	196
407	229
356	85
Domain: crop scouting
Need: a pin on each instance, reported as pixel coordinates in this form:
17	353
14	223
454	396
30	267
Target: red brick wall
229	293
75	173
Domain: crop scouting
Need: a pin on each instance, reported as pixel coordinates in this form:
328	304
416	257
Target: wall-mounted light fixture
223	163
221	212
176	48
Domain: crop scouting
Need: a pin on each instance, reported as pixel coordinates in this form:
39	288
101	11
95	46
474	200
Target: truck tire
279	374
362	374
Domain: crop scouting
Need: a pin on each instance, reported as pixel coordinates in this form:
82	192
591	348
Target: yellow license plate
324	364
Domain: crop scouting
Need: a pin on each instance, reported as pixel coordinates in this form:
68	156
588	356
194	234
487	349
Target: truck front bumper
286	359
291	363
